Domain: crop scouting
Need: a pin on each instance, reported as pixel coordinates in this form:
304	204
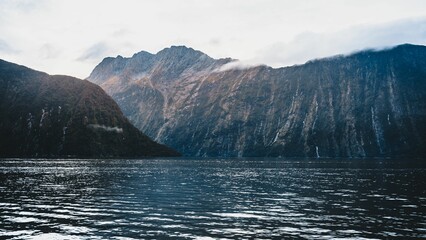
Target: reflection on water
211	198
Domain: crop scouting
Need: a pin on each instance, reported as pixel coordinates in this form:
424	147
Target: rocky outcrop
61	116
372	103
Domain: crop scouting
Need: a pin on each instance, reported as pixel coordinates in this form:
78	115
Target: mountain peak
179	51
166	64
409	45
367	103
142	54
178	48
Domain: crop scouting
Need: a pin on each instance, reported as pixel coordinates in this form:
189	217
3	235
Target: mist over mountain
368	104
52	116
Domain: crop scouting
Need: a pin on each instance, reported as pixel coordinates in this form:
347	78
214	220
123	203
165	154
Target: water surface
212	198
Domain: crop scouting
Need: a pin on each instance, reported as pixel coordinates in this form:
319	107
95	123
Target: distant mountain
57	116
371	103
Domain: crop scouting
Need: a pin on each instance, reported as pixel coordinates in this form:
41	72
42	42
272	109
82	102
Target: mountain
53	116
368	104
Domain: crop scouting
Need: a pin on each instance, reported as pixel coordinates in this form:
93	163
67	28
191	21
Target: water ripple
211	199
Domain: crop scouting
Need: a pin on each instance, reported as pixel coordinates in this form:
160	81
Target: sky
72	37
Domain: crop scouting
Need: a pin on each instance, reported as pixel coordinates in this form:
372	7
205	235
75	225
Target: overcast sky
72	37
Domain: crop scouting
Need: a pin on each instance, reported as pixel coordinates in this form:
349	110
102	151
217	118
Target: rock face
53	116
371	103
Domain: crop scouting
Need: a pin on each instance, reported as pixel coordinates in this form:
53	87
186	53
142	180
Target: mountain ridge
60	116
369	103
229	59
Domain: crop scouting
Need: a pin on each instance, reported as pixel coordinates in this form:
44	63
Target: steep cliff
52	116
372	103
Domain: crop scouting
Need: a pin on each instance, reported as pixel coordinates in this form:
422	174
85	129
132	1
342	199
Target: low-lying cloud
105	128
236	65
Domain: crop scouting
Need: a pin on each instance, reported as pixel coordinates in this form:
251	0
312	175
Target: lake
212	198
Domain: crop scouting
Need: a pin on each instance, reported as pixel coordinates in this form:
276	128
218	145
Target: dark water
212	198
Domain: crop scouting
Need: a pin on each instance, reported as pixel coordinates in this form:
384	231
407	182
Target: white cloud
6	48
275	32
236	65
105	128
48	51
309	45
96	51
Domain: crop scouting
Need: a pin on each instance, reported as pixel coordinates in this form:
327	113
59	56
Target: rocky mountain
371	103
52	116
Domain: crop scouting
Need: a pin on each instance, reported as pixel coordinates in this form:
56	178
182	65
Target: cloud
236	65
23	5
215	41
48	51
105	128
96	51
310	45
122	32
6	48
272	32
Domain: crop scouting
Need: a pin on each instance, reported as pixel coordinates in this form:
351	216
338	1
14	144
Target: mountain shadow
61	116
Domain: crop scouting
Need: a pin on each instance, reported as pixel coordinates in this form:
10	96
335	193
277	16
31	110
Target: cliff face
371	103
49	116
